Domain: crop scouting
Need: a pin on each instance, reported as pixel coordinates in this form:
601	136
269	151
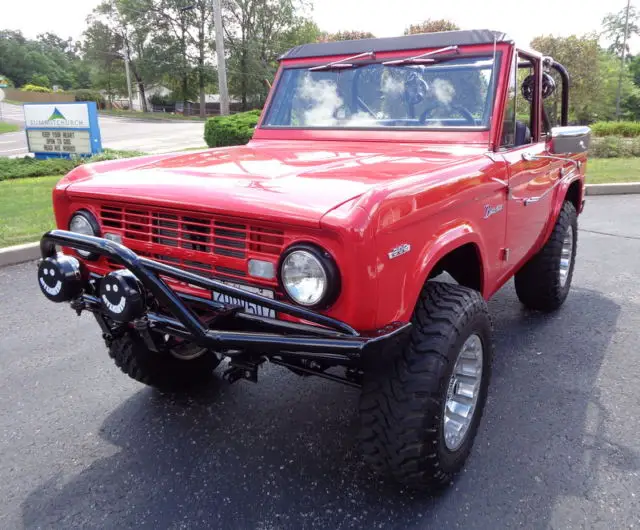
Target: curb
619	188
31	251
19	254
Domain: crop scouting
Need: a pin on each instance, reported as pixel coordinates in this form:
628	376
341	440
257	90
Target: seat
523	134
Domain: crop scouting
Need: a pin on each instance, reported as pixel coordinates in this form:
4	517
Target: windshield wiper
341	63
423	58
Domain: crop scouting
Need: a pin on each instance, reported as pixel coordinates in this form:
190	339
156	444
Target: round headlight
309	276
83	222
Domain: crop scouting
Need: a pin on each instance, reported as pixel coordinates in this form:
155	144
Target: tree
133	23
257	32
102	50
49	56
613	29
346	35
431	26
593	73
634	69
203	17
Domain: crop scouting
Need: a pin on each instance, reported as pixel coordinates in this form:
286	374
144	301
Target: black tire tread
537	283
401	410
160	369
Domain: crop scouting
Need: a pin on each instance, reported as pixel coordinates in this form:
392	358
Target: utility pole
624	52
222	66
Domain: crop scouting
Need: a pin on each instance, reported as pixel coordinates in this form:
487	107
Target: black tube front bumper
227	329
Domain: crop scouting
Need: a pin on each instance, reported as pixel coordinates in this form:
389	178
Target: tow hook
242	369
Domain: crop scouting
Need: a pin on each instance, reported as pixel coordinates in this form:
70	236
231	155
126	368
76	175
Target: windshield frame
490	103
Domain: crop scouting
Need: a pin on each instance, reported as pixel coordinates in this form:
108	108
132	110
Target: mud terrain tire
161	369
539	283
402	407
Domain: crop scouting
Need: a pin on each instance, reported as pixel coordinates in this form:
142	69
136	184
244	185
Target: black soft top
409	42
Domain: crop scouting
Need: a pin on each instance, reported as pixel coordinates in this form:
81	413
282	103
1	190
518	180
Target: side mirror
570	140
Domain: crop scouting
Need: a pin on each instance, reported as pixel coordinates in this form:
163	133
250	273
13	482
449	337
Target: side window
526	85
552	104
509	123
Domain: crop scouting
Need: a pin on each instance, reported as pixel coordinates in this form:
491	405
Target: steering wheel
464	112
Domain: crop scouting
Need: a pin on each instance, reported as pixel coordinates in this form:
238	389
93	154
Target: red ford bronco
377	166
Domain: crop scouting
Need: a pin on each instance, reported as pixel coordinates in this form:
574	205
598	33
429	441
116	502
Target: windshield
456	93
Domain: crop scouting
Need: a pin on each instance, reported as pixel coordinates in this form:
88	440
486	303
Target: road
83	446
150	136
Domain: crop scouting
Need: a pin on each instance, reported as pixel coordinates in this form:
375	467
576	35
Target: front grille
215	244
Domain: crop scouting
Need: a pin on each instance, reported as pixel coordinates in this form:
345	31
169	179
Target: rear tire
405	407
161	369
544	281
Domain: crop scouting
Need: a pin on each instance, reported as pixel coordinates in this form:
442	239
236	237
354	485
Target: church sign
62	130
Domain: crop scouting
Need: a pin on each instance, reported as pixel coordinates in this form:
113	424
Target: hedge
235	129
13	168
89	95
627	129
36	88
614	147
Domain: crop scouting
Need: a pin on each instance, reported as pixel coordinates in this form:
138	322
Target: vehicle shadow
283	454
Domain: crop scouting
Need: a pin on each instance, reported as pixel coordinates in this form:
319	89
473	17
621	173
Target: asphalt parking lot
559	445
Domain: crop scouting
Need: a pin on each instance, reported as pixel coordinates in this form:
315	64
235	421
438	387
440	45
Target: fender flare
434	250
557	207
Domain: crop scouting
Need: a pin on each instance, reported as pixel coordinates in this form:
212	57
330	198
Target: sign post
62	130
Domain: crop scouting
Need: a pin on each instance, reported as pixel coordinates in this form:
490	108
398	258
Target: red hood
299	181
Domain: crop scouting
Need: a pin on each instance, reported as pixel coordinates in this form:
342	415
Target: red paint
356	193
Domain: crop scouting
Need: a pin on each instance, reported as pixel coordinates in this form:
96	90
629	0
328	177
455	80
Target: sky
521	20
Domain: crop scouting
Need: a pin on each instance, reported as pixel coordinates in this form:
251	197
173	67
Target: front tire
161	369
420	412
544	281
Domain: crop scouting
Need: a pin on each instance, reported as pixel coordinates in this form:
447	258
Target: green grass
25	209
8	127
149	115
603	170
13	102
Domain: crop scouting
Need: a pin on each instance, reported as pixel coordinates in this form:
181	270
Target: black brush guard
324	338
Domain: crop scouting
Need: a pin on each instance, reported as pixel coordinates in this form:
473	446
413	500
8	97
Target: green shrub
236	129
162	101
90	95
35	88
614	147
627	129
9	82
40	80
13	168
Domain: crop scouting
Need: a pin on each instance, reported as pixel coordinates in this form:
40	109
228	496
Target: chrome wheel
462	393
565	256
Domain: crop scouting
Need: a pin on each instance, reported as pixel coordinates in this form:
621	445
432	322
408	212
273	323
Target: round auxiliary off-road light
59	278
122	296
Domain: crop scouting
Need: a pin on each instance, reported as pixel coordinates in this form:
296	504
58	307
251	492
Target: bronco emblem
490	210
